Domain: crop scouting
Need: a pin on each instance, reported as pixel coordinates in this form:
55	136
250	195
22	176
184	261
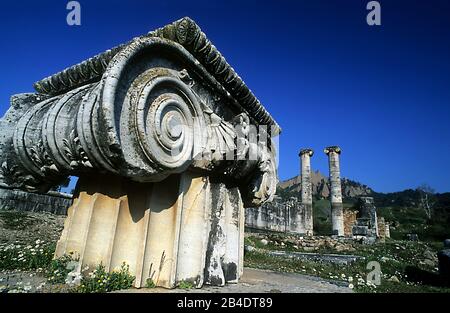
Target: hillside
401	209
321	186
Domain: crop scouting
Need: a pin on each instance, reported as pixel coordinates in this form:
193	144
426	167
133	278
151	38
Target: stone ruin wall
288	216
271	218
349	220
52	202
365	221
279	216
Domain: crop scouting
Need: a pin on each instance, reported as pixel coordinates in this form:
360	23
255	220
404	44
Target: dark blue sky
381	93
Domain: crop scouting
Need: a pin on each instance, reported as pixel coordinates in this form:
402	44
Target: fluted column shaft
306	194
337	217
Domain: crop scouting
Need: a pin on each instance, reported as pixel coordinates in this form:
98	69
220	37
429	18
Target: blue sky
381	93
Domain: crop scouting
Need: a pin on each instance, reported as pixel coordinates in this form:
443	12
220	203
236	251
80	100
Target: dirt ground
17	227
263	281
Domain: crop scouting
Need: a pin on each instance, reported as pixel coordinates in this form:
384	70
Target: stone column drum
161	131
305	155
337	217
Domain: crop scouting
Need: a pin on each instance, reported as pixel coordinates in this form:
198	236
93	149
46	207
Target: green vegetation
149	283
186	285
322	218
15	220
101	281
405	213
403	210
37	255
58	269
402	266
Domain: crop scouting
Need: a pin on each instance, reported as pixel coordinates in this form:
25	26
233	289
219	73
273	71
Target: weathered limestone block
169	144
381	223
366	223
300	217
182	229
368	211
279	216
349	221
360	230
387	230
273	216
337	218
52	202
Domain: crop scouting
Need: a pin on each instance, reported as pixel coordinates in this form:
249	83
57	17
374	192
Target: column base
184	228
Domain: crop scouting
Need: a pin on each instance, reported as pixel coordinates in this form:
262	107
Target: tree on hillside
427	200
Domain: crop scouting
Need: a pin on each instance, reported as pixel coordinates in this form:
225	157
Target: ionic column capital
330	149
306	151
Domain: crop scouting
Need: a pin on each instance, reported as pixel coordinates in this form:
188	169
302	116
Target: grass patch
16	220
186	285
58	269
37	255
150	283
101	281
396	258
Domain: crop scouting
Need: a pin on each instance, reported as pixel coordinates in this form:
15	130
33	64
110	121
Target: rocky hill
402	209
321	186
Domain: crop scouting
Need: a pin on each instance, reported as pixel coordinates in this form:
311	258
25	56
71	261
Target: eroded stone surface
306	194
52	202
120	113
264	281
162	133
281	216
337	218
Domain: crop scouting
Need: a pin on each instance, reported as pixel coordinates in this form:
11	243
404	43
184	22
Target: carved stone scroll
169	145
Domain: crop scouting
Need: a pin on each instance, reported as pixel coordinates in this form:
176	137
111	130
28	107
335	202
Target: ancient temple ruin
337	218
278	215
295	215
307	198
363	222
291	216
169	144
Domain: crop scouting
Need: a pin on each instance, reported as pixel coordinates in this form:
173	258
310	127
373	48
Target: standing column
305	155
337	217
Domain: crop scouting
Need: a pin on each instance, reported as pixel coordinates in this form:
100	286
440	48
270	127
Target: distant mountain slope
401	209
321	186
